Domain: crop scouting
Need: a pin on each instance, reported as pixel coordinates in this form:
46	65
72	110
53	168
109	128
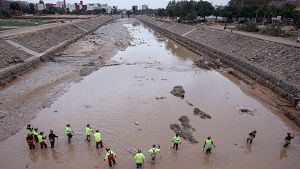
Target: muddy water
114	98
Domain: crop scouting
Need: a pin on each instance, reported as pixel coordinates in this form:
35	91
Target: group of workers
35	137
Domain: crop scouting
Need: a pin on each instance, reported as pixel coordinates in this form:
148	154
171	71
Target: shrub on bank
5	14
249	27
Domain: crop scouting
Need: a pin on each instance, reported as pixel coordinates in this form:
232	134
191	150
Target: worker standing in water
110	155
29	130
42	138
288	139
251	136
139	159
153	151
208	144
88	132
52	137
35	134
98	139
176	140
69	132
30	142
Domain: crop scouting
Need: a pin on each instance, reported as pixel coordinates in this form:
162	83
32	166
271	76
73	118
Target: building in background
107	8
40	6
4	5
144	7
60	4
71	7
134	9
94	6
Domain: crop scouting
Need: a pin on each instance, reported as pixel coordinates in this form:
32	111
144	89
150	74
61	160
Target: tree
229	12
269	11
161	12
32	7
204	9
217	11
287	10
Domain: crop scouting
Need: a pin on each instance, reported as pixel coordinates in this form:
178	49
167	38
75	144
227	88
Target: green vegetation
24	22
6	24
249	27
234	11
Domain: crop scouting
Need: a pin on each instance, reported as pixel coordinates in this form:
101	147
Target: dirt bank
274	65
37	89
33	47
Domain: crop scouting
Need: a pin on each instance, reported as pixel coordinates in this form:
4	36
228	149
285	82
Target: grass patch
294	35
24	22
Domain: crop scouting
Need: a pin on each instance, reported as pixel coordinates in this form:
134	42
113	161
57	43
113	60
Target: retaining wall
40	45
276	66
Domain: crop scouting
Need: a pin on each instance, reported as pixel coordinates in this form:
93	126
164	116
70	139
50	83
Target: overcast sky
128	3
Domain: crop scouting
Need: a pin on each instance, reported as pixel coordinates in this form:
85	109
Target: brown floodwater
114	98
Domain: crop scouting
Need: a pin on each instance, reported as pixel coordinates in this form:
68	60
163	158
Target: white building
106	7
40	7
144	7
59	4
91	7
71	7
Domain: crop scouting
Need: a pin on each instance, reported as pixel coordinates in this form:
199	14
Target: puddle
116	98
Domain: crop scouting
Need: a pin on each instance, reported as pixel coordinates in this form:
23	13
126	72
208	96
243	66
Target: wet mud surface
130	102
45	83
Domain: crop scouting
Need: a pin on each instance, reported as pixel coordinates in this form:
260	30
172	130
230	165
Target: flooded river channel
114	98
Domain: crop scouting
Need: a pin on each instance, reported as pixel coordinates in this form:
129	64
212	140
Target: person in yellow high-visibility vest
88	132
176	140
139	159
42	138
208	144
35	134
153	151
98	139
69	132
111	156
29	130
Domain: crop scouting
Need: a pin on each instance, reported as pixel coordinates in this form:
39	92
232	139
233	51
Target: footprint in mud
185	130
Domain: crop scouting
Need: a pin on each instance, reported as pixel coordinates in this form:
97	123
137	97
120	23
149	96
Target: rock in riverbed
185	130
203	115
178	91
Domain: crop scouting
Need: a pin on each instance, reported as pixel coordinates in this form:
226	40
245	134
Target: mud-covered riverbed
116	98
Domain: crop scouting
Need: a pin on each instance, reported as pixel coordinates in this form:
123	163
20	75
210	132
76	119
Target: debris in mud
134	63
87	106
178	91
160	98
189	103
203	115
163	79
90	64
111	64
240	76
14	60
185	130
87	70
247	110
206	64
136	123
3	114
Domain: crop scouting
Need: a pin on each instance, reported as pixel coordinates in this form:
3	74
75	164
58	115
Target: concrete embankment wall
22	52
274	65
